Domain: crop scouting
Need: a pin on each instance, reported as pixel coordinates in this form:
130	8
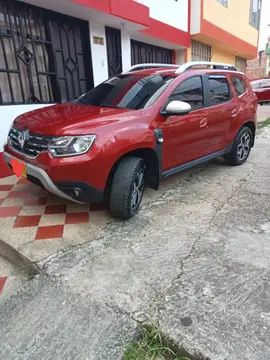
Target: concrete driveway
263	112
195	262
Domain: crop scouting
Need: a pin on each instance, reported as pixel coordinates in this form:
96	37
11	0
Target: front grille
33	146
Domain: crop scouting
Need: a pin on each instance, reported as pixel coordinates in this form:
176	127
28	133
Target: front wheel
241	147
127	187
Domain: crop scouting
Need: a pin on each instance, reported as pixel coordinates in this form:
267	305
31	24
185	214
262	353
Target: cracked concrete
194	261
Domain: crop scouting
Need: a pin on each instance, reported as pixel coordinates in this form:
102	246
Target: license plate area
19	168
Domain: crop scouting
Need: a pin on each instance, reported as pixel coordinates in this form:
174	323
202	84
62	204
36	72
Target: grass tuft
264	123
151	346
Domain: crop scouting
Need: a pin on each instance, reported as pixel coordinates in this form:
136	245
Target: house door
70	42
114	51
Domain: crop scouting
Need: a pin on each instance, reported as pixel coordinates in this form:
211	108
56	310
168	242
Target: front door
114	51
184	136
222	109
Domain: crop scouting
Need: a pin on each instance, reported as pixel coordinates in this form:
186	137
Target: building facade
225	31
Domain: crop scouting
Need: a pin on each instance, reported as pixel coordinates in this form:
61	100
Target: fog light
77	192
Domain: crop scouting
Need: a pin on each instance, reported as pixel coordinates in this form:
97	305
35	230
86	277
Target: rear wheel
127	187
241	147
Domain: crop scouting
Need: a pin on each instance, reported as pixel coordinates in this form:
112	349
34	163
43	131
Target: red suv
135	129
262	89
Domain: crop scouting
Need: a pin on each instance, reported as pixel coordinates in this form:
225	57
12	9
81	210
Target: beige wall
234	19
219	55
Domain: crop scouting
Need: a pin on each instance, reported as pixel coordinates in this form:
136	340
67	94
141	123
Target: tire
241	147
127	188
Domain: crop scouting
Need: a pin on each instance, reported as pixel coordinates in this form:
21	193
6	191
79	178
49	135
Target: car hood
71	119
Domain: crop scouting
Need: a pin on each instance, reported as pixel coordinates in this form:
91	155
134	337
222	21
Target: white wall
99	54
195	24
170	12
180	57
126	50
264	28
8	113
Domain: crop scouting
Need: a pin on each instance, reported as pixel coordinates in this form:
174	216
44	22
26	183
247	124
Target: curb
9	253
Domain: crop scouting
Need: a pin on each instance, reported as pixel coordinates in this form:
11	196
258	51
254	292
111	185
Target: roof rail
151	66
215	65
182	68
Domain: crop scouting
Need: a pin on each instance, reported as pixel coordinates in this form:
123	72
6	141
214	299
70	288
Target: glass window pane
239	85
16	88
11	59
190	91
4	88
127	91
219	90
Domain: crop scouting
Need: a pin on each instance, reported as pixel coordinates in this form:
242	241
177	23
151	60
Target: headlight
71	145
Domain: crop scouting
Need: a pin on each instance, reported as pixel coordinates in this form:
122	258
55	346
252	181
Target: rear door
222	109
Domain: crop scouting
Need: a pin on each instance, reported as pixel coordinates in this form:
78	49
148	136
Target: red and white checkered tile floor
30	206
39	224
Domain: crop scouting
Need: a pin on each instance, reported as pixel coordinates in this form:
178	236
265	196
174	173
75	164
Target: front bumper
78	192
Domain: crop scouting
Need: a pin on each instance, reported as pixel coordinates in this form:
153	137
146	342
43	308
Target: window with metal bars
223	2
200	51
42	55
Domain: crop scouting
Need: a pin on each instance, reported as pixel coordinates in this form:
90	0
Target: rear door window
219	90
239	85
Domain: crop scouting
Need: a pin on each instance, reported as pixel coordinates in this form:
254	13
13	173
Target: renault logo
23	137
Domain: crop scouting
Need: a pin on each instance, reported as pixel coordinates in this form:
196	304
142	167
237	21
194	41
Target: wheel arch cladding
152	161
252	126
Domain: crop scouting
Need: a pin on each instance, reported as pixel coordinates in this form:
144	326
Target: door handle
234	113
203	123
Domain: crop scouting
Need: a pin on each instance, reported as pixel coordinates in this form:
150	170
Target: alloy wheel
137	190
243	147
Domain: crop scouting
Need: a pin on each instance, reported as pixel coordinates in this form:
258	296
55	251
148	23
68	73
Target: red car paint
122	131
261	88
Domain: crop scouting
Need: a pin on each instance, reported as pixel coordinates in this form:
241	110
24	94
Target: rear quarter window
239	85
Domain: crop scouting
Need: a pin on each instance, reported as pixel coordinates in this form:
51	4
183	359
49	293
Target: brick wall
256	67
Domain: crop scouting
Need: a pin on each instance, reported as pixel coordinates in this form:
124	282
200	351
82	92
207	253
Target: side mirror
176	107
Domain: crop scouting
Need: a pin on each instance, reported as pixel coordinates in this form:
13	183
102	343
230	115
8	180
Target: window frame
243	81
220	76
255	24
203	79
221	2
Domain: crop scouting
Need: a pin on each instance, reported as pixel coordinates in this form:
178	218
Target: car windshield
127	91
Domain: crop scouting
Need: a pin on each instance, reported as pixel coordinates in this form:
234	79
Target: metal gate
146	53
44	56
241	64
114	51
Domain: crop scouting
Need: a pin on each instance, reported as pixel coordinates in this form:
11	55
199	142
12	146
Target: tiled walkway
39	224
